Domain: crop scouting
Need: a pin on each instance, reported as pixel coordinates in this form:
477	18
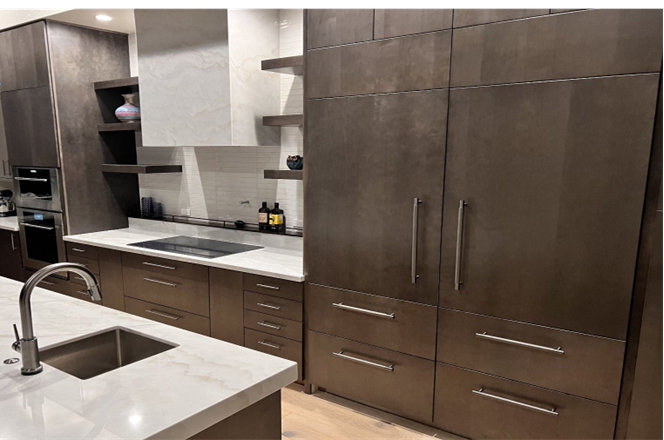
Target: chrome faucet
27	345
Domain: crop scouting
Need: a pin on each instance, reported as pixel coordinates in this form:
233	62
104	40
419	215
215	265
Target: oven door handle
31	179
46	228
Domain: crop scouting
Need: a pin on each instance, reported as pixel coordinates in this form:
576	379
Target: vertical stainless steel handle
13	245
459	245
4	173
413	257
480	392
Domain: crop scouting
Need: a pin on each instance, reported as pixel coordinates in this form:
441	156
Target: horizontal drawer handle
268	287
480	392
365	362
161	266
484	335
365	311
160	282
83	292
47	283
163	315
78	250
30	225
30	179
267	344
269	306
269	325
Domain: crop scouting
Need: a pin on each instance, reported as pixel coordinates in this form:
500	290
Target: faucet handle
17	343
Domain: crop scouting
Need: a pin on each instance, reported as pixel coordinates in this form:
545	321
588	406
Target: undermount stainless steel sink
102	352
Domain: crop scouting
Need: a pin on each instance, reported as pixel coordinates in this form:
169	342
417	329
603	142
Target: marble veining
9	223
174	394
281	256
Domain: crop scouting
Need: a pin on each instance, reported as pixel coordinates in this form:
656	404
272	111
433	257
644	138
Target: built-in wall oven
37	188
41	237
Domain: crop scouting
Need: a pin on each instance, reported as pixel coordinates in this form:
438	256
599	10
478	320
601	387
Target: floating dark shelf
116	83
283	121
283	174
287	65
140	169
120	126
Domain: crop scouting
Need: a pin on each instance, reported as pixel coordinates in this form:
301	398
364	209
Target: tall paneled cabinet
474	194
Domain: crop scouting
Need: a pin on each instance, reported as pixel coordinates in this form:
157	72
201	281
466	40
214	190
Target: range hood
200	77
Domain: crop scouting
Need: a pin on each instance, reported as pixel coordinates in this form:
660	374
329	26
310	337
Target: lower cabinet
226	322
276	346
478	405
385	379
10	250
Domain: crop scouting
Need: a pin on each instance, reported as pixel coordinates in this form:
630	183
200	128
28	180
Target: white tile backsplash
216	180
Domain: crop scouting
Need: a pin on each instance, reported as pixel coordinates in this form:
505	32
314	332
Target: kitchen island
197	389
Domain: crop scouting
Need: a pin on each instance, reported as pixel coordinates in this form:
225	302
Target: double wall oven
40	216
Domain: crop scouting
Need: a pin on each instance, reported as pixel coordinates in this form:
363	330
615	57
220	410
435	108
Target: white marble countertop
9	223
272	261
174	394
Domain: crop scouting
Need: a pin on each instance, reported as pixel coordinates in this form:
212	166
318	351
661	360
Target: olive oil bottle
264	217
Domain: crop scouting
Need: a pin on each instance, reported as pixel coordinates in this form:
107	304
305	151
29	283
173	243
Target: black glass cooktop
196	247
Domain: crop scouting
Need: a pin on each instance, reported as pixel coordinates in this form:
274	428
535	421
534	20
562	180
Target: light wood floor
322	416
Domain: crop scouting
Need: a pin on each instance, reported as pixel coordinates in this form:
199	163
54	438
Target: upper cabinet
24	59
398	22
201	80
579	44
332	27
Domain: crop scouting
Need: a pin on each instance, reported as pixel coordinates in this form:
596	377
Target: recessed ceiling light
103	17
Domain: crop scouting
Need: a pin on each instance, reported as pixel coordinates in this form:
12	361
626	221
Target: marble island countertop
174	394
281	257
9	223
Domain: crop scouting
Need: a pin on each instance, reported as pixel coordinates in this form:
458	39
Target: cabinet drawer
167	315
166	266
82	250
273	305
461	410
91	264
54	284
273	286
588	366
176	292
273	325
275	345
406	389
397	325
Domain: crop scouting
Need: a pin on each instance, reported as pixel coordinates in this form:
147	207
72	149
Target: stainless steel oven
41	237
37	188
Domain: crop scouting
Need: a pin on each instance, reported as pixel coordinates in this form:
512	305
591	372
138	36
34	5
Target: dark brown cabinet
374	158
24	60
581	44
331	27
472	17
226	306
11	265
30	127
553	175
397	22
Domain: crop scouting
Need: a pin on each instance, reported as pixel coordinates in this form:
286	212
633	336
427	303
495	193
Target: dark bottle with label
264	217
277	219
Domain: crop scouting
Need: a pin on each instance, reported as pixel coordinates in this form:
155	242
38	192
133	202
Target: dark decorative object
295	162
239	224
151	209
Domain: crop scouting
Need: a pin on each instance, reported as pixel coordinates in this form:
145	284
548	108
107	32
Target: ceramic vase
128	112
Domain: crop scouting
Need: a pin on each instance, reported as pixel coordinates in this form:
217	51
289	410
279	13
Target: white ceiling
14	17
122	19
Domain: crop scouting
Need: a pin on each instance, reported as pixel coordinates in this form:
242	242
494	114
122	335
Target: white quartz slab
9	223
274	262
174	394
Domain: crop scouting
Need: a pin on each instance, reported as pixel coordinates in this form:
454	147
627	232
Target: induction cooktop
196	247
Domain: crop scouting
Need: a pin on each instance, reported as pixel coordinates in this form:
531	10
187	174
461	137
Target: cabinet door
397	22
226	306
554	177
6	171
10	256
24	60
331	27
30	127
370	158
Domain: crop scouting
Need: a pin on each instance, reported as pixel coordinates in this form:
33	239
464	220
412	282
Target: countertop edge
150	252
